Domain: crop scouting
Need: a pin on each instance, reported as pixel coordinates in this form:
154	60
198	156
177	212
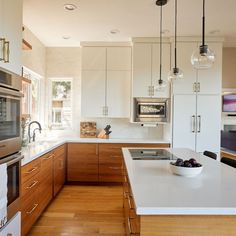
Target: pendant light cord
160	79
175	34
203	24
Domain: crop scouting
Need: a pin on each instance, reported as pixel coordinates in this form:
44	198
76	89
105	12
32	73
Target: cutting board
88	129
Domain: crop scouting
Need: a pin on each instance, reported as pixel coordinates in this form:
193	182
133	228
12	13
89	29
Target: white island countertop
157	191
39	148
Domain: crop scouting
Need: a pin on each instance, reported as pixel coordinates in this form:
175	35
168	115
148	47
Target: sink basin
151	154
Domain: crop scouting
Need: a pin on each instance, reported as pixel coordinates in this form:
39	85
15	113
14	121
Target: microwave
151	110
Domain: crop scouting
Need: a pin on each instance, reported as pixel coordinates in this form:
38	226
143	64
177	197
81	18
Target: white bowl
185	171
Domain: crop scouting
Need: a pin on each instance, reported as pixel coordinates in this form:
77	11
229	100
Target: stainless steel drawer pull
49	157
2	41
193	124
114	168
32	210
32	170
6	51
32	185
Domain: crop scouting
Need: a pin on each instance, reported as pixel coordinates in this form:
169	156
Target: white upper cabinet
184	53
11	32
119	58
94	58
106	78
142	69
205	81
210	79
146	69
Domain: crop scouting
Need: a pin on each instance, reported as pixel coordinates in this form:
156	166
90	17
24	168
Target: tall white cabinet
197	102
106	81
146	69
11	35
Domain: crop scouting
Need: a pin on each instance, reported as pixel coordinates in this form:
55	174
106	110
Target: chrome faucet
29	131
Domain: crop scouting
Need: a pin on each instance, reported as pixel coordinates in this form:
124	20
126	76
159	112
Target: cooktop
151	154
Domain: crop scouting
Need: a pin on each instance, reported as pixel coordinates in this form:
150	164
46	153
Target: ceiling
94	19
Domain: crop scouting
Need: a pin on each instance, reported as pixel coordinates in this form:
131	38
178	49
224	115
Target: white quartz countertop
39	148
159	192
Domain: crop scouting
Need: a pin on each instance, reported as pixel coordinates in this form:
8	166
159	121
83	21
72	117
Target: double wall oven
10	136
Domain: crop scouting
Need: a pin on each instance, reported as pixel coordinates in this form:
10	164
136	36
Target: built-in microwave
10	114
151	110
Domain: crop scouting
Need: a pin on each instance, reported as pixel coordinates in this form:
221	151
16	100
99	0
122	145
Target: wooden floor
83	210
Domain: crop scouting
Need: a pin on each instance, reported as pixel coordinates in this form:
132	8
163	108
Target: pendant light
175	73
161	83
203	57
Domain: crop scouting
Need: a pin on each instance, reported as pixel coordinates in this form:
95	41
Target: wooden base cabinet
59	168
82	162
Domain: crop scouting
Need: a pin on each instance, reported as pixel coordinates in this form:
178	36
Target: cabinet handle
195	87
198	87
199	124
32	170
114	168
132	232
31	211
49	157
96	149
129	202
2	41
32	185
6	51
193	124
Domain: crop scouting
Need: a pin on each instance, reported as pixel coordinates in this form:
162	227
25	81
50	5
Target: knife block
103	135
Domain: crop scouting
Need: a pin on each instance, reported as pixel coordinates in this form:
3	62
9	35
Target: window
61	104
31	91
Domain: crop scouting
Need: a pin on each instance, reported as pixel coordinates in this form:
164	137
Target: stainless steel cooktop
151	154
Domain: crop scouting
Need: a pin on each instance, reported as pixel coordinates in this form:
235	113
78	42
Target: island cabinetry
228	154
59	168
82	162
132	220
30	194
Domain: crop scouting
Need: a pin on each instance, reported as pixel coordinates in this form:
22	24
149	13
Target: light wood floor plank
83	211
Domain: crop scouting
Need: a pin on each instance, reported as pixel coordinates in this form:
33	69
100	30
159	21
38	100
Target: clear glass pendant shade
161	86
175	74
203	57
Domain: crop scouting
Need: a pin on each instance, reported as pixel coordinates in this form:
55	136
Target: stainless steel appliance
13	183
151	110
151	154
10	112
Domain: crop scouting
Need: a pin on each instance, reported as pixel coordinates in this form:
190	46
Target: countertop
39	148
157	191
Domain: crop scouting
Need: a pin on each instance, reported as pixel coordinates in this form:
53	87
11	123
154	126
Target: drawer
28	187
110	169
60	150
46	161
29	170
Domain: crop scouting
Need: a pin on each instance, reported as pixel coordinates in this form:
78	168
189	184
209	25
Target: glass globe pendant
175	73
161	85
203	57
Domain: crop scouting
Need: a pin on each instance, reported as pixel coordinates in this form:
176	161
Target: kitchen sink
151	154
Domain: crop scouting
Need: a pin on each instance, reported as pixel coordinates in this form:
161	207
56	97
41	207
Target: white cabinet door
210	79
119	58
93	93
208	123
12	31
94	58
185	50
118	93
13	227
183	121
142	69
156	67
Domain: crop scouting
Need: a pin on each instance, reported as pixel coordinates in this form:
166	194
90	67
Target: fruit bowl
183	168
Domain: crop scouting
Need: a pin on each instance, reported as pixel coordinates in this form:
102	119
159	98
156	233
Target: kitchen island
167	204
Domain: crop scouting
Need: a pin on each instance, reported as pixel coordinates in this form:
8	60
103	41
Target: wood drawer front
83	177
29	170
30	186
107	169
83	149
78	172
229	155
30	212
47	161
58	174
60	150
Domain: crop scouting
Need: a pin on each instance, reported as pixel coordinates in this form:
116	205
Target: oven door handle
11	160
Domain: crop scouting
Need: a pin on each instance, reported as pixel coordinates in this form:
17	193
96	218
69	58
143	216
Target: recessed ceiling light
114	31
69	7
66	37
